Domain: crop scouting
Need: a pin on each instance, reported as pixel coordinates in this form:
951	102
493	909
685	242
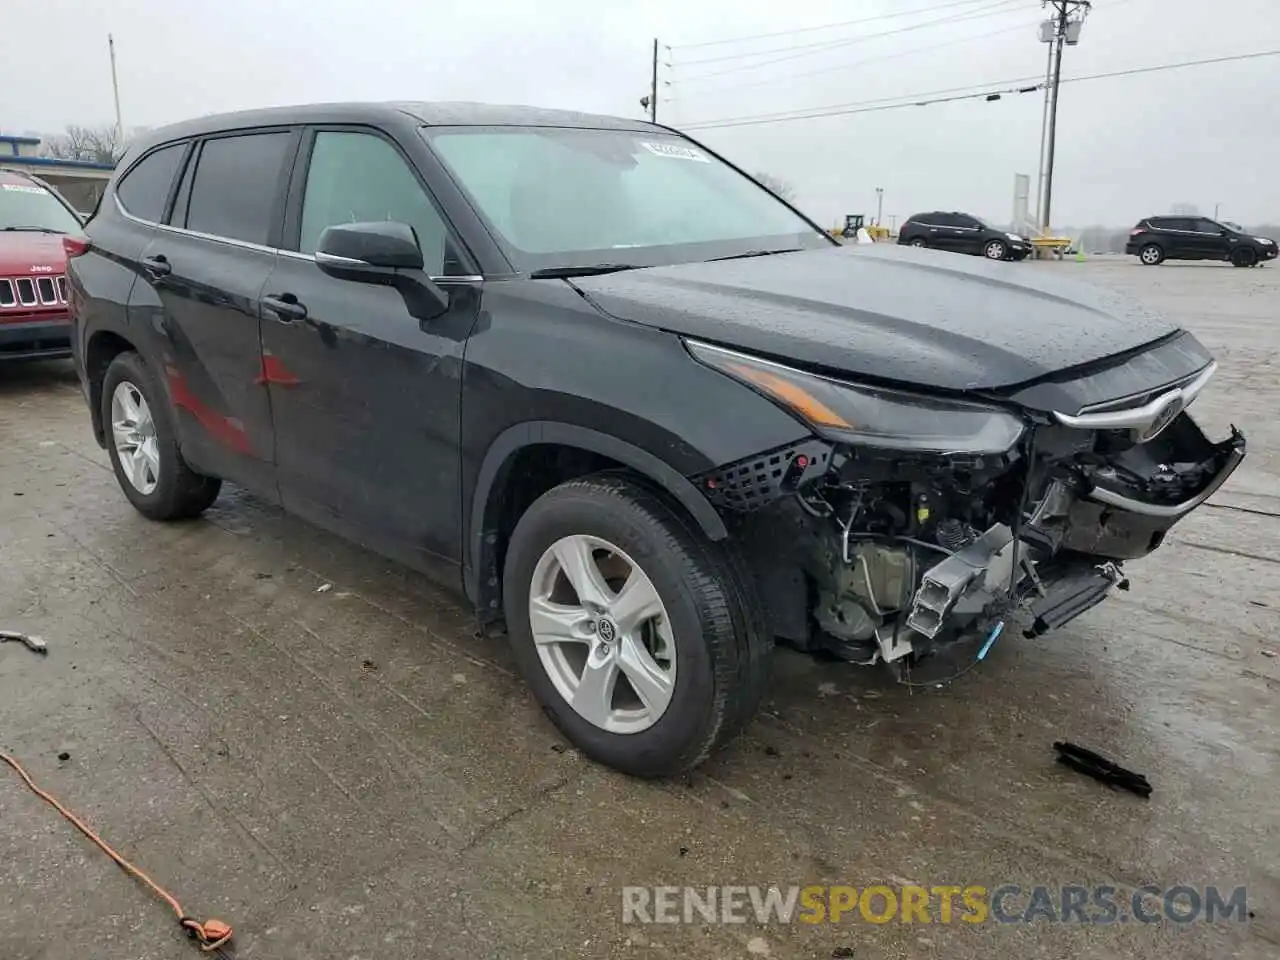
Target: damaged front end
910	543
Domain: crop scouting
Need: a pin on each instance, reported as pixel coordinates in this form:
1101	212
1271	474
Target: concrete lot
354	774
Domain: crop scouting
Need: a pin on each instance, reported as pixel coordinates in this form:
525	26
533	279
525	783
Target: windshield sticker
675	151
19	188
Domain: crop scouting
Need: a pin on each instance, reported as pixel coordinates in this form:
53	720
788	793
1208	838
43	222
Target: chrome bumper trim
1121	502
1147	420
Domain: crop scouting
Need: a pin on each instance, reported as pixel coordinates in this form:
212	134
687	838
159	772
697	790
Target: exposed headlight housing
870	416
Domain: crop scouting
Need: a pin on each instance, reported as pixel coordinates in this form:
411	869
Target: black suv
1157	239
639	409
963	233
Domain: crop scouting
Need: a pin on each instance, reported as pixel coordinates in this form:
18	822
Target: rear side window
234	190
144	190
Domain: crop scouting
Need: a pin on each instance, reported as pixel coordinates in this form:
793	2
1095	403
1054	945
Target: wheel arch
482	547
102	347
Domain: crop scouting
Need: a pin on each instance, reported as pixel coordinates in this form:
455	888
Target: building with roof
80	181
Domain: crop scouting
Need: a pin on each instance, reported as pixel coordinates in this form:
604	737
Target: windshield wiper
755	253
33	229
590	270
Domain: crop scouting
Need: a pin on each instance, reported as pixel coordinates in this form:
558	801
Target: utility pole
1066	31
115	89
653	86
1215	210
879	204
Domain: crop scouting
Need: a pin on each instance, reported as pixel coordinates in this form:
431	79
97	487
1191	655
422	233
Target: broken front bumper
1064	558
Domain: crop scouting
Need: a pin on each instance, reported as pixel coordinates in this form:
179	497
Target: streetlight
879	204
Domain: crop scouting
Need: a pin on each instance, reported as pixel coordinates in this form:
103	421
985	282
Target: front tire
995	250
1151	255
1244	257
642	641
143	445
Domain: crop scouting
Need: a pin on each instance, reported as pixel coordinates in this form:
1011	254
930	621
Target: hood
22	250
884	312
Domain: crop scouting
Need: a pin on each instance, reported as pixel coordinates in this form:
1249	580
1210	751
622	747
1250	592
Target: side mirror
385	253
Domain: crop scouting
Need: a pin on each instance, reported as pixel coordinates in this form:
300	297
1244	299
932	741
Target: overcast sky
1127	147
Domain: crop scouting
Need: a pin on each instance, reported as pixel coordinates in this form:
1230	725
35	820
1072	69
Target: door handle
286	307
156	266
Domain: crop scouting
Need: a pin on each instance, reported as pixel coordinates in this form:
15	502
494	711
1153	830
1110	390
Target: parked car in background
1156	239
963	233
34	323
630	402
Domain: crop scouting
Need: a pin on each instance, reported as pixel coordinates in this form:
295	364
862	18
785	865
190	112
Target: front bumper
42	338
1268	252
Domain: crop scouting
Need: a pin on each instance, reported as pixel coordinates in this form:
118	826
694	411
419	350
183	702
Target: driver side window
361	178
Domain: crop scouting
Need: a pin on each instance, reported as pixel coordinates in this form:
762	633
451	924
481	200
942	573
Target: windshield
28	206
558	197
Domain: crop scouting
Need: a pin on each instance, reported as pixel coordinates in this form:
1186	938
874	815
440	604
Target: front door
205	271
365	399
1211	240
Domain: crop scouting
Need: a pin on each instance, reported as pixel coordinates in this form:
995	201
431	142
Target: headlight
872	416
1014	236
1264	241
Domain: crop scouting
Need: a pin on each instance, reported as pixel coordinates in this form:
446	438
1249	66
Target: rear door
204	271
366	399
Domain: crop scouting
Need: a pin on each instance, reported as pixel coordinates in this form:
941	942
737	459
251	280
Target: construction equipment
853	222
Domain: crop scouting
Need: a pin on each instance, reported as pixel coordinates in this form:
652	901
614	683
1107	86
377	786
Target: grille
48	291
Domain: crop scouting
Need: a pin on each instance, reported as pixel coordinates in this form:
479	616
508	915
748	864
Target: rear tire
918	242
709	638
1244	257
1151	255
136	416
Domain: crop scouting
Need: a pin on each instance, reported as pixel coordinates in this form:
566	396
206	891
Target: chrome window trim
246	245
1142	419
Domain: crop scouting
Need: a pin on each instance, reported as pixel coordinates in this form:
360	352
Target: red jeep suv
34	322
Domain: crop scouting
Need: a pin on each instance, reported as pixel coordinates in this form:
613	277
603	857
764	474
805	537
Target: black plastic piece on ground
1101	769
1067	600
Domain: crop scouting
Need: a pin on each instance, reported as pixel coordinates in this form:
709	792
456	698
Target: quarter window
234	191
144	190
361	178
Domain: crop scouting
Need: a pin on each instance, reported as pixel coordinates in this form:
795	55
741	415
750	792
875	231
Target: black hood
885	312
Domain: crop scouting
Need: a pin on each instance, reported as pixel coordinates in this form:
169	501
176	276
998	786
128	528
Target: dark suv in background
631	403
963	233
1156	239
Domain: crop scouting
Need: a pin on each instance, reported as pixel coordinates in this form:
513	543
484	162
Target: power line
823	46
826	26
735	85
927	98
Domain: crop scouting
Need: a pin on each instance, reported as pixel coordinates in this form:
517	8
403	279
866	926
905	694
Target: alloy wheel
602	634
995	250
1150	255
133	431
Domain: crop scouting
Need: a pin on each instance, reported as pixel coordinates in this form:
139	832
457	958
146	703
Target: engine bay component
986	564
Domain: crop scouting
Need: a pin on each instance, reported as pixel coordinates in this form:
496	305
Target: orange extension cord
212	934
